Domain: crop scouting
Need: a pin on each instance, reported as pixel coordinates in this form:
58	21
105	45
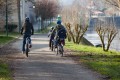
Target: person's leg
64	42
56	43
24	42
30	41
50	42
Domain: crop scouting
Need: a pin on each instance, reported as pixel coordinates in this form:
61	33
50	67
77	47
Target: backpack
62	33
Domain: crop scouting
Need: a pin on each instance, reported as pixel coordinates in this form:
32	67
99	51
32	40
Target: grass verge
5	73
4	39
106	63
11	34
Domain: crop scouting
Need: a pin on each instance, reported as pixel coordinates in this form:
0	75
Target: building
12	12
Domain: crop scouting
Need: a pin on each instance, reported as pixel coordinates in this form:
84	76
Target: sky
66	2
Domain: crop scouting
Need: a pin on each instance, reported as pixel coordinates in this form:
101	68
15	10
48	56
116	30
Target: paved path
42	64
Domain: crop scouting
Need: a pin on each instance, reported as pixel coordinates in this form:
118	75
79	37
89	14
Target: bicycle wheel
61	50
27	49
57	49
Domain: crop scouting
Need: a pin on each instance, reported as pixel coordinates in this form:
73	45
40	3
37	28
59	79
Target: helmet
26	19
59	22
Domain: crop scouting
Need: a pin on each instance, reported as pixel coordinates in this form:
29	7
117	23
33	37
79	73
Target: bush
11	27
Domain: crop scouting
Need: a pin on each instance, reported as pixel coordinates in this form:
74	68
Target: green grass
4	39
5	73
11	34
106	63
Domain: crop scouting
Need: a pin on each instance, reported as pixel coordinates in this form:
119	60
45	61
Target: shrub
11	27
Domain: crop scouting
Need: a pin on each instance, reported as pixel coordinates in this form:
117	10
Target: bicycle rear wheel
61	50
57	49
27	49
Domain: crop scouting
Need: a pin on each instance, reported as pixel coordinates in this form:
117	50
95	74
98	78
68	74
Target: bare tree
107	32
75	20
46	9
115	3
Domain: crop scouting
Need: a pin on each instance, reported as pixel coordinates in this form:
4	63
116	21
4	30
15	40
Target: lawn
11	34
4	39
5	73
106	63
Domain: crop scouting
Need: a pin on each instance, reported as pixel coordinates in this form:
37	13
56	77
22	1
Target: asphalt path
43	64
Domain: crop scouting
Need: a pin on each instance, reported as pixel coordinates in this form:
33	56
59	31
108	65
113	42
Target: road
43	64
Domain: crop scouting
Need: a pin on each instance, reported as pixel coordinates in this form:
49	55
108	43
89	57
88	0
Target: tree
115	3
107	32
46	9
75	21
3	10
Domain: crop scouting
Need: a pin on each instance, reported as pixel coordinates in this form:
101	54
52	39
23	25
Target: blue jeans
24	40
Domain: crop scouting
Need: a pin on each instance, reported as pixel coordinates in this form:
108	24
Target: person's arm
32	29
49	33
22	28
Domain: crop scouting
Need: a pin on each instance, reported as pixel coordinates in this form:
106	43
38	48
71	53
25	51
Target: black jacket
27	28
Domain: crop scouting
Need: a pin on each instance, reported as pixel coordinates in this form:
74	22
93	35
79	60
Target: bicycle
27	46
60	45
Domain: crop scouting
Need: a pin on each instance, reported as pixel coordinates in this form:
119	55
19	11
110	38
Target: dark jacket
27	28
61	31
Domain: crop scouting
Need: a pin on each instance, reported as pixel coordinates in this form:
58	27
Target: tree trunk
68	37
80	38
72	37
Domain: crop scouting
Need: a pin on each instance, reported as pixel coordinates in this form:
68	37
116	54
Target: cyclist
27	30
60	33
51	34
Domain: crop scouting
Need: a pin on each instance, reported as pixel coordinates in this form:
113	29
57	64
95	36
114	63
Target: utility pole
19	15
6	17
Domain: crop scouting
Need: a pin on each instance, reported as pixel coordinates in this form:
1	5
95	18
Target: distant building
26	10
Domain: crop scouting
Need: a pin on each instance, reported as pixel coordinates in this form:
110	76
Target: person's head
27	19
58	22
